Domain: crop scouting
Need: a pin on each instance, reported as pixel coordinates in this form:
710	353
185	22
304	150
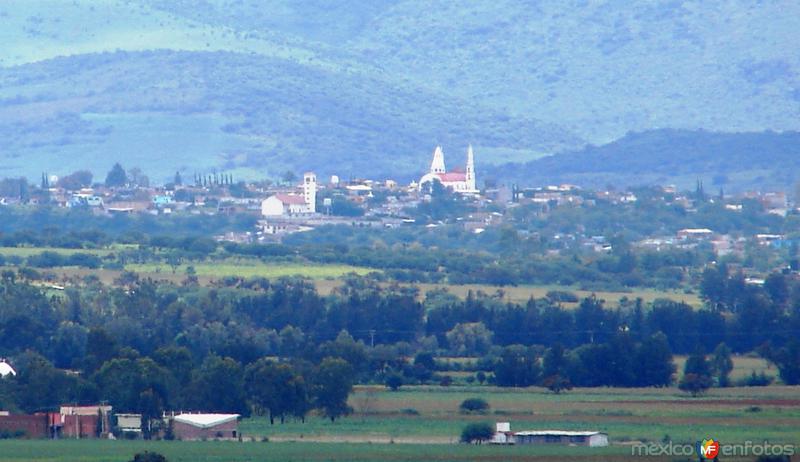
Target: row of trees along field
260	314
147	347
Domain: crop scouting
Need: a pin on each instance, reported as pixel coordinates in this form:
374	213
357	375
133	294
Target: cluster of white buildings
303	202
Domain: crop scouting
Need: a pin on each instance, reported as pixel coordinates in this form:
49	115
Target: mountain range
731	162
367	89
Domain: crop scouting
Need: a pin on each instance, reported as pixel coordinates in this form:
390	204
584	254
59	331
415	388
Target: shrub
474	406
29	273
557	383
755	380
84	260
561	296
148	456
46	259
394	381
8	434
696	384
477	433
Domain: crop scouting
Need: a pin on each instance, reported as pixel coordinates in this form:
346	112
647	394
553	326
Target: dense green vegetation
147	347
288	356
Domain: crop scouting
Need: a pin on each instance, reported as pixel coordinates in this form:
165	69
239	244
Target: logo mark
708	449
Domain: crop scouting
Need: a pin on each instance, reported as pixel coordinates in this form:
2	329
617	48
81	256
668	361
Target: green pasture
325	276
176	451
25	252
252	269
430	414
521	294
743	366
423	424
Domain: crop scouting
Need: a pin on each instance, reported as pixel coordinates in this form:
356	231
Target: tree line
279	348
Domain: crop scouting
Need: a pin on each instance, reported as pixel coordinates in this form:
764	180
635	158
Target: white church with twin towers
460	181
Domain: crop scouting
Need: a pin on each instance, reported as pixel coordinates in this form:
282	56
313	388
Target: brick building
26	426
73	422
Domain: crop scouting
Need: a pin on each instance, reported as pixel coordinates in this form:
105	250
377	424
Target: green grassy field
326	275
119	451
430	415
743	366
25	252
326	278
252	269
383	427
521	294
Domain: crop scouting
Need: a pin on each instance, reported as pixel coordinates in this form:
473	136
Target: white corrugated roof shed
205	420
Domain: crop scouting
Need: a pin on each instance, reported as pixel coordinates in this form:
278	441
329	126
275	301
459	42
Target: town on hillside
297	204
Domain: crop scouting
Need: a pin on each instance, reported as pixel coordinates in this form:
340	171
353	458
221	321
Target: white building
504	435
293	204
283	204
458	181
695	233
129	423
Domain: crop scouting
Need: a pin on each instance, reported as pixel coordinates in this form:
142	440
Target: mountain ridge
731	161
518	79
273	114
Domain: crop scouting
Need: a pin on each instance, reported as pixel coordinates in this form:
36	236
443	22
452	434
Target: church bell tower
310	191
437	165
470	174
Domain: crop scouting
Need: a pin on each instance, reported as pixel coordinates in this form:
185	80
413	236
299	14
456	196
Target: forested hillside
731	161
166	111
257	87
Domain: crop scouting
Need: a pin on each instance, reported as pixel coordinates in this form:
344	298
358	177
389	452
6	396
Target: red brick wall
79	426
34	426
184	431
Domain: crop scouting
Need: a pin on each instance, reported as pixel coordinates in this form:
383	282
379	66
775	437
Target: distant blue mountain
731	161
366	89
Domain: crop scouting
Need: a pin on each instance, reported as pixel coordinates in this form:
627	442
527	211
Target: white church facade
293	204
463	182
